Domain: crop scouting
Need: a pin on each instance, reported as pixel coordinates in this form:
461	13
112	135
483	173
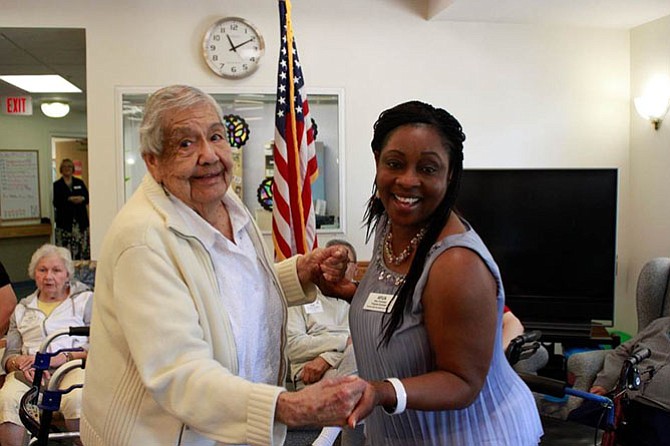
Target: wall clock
233	47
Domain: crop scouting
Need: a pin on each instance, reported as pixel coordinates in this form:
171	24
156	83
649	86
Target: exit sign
17	105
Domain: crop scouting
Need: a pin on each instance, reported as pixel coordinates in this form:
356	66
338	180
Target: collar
201	229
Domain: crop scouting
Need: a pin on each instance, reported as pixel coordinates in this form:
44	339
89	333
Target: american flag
293	219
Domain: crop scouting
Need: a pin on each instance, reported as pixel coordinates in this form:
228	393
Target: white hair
48	250
158	104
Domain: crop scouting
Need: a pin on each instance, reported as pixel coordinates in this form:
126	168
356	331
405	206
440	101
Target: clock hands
234	47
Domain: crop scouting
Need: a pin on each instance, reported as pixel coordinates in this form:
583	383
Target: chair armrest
582	370
534	362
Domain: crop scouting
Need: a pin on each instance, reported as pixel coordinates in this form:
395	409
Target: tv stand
568	330
574	335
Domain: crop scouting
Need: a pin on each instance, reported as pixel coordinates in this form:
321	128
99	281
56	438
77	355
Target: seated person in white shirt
318	333
319	346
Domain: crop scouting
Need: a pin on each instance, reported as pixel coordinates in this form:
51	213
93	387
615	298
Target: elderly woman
188	329
58	303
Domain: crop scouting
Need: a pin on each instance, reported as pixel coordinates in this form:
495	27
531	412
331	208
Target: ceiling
45	51
63	50
615	14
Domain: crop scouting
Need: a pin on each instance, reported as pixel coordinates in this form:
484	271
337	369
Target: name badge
381	303
314	307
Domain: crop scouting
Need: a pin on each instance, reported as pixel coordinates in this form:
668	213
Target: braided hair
451	132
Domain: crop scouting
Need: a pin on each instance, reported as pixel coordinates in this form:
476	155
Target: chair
526	354
653	301
534	362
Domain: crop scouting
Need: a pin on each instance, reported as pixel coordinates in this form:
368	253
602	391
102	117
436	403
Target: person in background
426	319
7	300
511	326
70	200
189	323
647	415
319	344
58	303
7	304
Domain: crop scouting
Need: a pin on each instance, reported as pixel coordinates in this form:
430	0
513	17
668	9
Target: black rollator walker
612	417
37	405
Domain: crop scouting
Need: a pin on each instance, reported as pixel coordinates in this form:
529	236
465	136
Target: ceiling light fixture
55	109
43	83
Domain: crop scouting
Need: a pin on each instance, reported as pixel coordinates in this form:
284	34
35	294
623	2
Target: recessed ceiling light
43	83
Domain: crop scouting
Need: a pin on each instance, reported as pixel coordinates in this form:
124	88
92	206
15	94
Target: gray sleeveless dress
504	413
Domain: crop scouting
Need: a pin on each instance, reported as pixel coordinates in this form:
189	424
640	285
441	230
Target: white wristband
400	396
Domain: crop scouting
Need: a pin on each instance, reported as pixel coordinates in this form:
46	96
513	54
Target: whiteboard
19	185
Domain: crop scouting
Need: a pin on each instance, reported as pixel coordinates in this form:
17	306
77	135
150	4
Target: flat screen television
552	232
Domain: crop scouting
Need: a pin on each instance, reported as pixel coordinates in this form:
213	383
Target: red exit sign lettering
17	105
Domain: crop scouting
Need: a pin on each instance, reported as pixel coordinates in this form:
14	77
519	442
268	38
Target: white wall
649	153
526	96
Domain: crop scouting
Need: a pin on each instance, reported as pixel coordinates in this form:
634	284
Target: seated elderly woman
59	302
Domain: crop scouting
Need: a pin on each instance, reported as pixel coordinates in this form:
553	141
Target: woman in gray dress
426	319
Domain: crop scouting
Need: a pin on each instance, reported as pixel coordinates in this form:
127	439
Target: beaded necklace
404	255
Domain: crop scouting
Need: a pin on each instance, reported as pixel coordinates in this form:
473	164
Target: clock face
233	48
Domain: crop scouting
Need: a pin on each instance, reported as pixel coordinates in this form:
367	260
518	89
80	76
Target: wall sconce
55	109
653	108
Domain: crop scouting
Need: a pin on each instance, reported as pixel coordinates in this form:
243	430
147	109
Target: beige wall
649	153
527	96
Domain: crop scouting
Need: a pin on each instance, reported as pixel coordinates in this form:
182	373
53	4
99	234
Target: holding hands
328	402
326	268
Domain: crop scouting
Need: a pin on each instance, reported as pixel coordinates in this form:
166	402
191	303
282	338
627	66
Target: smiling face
196	164
51	277
67	168
412	175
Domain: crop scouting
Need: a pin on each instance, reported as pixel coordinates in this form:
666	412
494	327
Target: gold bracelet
68	356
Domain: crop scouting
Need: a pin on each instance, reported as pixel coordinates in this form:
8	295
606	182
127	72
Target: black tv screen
552	232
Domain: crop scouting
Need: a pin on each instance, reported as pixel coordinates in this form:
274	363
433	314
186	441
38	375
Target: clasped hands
76	199
325	267
25	364
342	401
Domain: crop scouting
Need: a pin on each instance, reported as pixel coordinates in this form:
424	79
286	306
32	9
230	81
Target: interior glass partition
250	117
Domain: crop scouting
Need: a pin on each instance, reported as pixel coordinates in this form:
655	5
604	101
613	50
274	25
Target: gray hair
158	104
338	242
48	250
